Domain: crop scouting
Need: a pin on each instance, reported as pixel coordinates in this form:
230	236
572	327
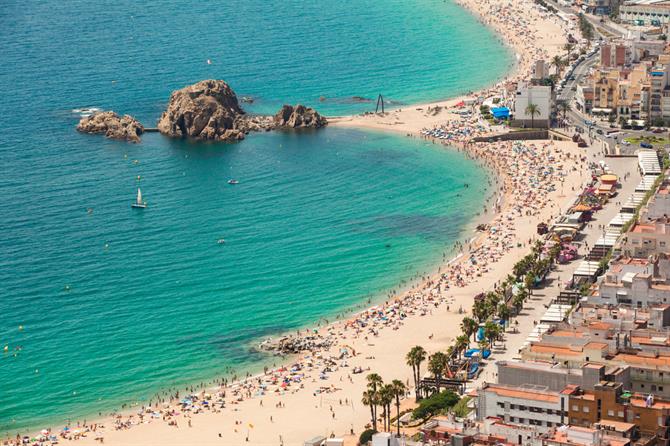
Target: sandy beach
319	393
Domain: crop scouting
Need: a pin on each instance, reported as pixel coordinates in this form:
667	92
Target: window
501	405
660	388
610	413
522	407
585	409
620	414
522	420
575	408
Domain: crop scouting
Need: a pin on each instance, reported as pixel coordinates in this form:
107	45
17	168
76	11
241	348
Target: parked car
646	145
657	131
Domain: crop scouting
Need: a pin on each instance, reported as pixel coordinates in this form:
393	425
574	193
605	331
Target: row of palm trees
380	395
493	304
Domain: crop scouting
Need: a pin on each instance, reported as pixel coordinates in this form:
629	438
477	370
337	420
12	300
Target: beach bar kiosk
500	112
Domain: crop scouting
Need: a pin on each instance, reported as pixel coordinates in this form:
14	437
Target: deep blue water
115	303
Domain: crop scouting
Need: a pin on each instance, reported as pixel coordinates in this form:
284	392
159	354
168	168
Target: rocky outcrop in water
291	344
299	117
112	125
206	110
210	110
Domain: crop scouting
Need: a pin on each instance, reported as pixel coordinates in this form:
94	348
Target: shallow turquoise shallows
102	305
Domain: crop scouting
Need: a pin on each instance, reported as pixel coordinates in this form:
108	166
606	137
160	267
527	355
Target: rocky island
112	125
208	110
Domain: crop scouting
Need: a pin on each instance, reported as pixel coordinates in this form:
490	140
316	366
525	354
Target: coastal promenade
325	403
537	303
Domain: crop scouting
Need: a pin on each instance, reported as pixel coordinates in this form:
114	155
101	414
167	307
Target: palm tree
491	332
469	326
503	311
385	400
374	384
532	110
479	310
462	343
436	364
414	359
370	400
564	107
492	300
557	62
399	389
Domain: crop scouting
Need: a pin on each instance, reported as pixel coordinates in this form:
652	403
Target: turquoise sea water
116	304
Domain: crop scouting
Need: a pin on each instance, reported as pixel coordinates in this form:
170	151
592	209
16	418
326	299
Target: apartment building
646	239
621	91
584	98
645	12
615	54
620	318
610	402
532	406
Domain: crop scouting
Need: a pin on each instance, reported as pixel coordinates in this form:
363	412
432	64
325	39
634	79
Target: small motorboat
139	204
221	241
233	182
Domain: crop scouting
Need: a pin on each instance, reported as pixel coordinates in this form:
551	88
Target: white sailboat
139	203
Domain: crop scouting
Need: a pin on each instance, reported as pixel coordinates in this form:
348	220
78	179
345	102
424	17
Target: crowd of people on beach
528	172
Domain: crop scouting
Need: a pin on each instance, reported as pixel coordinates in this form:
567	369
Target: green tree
461	409
479	310
558	63
399	389
469	327
370	400
414	358
503	311
532	110
375	382
366	436
491	332
461	343
435	404
564	107
385	401
437	363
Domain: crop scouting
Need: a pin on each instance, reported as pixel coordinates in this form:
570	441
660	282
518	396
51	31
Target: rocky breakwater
112	125
210	110
296	344
299	117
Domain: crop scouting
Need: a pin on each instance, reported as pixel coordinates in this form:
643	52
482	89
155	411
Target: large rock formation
299	117
210	110
112	126
206	110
